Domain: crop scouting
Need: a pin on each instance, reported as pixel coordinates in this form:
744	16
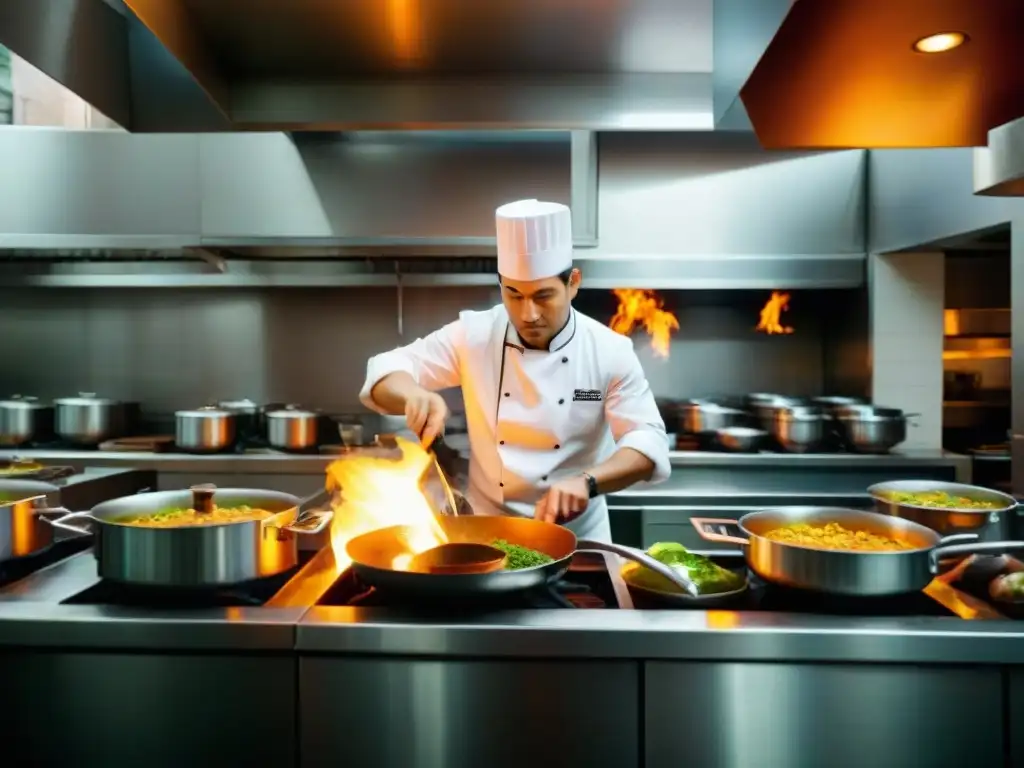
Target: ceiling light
940	43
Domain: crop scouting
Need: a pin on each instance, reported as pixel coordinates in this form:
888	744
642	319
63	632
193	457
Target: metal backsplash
178	348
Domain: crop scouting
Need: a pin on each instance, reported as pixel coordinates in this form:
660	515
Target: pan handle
717	529
311	523
643	559
976	548
64	518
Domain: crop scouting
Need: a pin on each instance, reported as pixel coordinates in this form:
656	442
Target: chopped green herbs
520	557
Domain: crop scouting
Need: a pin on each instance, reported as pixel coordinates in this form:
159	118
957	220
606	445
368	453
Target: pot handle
717	529
64	516
976	548
312	523
643	559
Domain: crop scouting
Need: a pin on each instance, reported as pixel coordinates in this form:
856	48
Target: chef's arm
622	469
636	425
430	363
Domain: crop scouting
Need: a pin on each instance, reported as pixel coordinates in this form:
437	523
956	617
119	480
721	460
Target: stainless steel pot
942	519
702	417
292	428
870	428
741	439
90	420
248	417
24	420
798	428
843	572
204	430
22	531
764	406
197	556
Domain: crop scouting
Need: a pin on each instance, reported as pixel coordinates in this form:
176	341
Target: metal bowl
941	519
871	428
741	439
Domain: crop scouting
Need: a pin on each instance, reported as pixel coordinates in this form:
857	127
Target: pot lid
85	398
23	402
243	404
205	411
291	412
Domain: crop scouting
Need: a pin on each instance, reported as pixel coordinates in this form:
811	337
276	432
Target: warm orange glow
404	31
376	492
940	43
771	315
950	322
644	308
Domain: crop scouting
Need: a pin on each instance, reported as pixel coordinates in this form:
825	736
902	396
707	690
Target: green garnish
518	557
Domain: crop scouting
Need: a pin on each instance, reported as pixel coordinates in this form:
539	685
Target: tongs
449	494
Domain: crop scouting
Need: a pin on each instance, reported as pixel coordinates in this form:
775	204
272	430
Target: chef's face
539	309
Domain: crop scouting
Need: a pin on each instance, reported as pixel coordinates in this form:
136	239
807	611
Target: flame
379	491
637	307
771	314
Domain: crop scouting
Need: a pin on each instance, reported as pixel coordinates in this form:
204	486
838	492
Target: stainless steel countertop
32	616
282	463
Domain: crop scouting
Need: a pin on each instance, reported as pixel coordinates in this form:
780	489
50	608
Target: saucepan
22	530
208	555
858	573
903	498
375	557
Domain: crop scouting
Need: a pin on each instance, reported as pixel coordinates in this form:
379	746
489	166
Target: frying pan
373	556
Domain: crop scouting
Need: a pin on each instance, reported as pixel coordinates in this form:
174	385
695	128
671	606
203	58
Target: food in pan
19	467
1008	588
178	518
940	500
518	557
835	536
709	577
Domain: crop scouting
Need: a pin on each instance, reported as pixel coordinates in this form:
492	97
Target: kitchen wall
178	348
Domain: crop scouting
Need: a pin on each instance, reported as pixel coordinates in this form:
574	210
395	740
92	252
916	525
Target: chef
558	409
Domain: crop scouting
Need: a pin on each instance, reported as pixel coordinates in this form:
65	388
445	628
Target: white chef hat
534	239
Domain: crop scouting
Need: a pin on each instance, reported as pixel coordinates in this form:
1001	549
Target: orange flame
644	308
771	315
380	491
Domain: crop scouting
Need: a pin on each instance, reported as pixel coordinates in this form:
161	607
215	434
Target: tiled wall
907	302
174	348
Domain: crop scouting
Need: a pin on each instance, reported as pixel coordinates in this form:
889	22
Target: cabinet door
742	715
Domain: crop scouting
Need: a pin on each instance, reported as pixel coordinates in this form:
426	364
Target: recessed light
940	43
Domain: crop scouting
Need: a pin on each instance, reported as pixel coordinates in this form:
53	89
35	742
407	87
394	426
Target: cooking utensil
205	430
941	519
22	532
707	601
197	556
25	420
858	573
377	556
459	557
871	428
292	428
90	420
797	428
701	417
764	405
249	423
741	439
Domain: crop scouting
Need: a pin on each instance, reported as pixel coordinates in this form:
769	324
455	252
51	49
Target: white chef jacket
535	417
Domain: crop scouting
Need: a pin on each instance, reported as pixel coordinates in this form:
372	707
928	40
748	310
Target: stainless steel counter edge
283	463
693	635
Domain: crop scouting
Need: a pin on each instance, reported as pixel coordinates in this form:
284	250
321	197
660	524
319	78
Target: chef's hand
563	501
425	414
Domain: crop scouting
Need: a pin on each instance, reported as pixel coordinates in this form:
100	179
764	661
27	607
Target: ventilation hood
298	65
999	167
844	73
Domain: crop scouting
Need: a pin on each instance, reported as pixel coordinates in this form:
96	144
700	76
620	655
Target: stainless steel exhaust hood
298	65
999	167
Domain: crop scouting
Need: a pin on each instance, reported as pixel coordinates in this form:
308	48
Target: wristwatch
591	485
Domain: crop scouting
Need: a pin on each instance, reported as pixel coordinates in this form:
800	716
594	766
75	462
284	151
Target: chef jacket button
557	447
501	442
544	478
565	359
561	400
501	485
506	394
